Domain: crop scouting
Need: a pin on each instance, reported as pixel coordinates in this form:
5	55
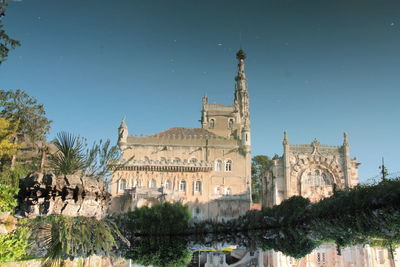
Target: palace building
208	168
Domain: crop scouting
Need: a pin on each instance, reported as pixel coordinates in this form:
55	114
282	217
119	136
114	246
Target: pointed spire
285	138
345	139
205	99
122	134
123	123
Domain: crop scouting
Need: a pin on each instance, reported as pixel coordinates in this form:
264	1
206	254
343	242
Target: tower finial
345	139
285	138
241	77
241	54
123	123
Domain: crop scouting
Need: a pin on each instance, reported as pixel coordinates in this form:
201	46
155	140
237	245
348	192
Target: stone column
346	155
286	165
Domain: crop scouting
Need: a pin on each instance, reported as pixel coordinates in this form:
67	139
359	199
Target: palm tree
70	156
74	237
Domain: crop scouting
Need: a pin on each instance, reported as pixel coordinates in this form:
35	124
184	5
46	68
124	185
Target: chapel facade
312	171
207	168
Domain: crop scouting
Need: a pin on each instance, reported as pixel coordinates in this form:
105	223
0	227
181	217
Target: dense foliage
160	251
23	127
161	219
259	167
69	237
19	106
11	176
8	201
7	131
359	215
150	231
13	246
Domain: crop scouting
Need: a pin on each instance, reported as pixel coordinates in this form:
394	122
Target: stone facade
326	256
311	171
207	168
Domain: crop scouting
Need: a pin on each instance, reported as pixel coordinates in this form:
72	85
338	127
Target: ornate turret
347	163
122	134
241	94
242	101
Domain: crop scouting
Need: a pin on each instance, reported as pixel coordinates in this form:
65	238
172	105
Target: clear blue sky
315	68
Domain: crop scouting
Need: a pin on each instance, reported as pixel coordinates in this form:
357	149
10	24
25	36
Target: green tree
154	235
6	43
160	219
18	106
73	156
259	167
7	131
70	156
160	252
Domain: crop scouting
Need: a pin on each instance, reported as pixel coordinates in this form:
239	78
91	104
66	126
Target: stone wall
70	195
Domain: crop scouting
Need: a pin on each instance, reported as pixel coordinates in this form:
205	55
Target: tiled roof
182	131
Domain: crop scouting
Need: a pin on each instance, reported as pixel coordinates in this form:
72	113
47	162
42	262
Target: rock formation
70	195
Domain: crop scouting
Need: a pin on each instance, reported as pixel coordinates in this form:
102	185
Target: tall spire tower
242	101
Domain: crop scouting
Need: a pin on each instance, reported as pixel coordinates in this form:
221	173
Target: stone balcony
167	165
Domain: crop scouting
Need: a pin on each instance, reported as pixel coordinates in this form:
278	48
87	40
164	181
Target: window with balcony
121	185
182	186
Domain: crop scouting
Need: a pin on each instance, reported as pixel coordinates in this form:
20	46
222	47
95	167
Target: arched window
380	256
317	178
230	123
152	183
228	165
218	166
228	192
168	185
177	160
197	212
182	186
197	187
211	124
121	185
193	160
138	183
217	190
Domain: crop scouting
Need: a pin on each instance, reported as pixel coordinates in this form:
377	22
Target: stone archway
316	182
313	176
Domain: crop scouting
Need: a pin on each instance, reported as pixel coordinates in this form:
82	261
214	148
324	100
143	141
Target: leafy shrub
8	202
160	251
161	219
13	246
11	176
